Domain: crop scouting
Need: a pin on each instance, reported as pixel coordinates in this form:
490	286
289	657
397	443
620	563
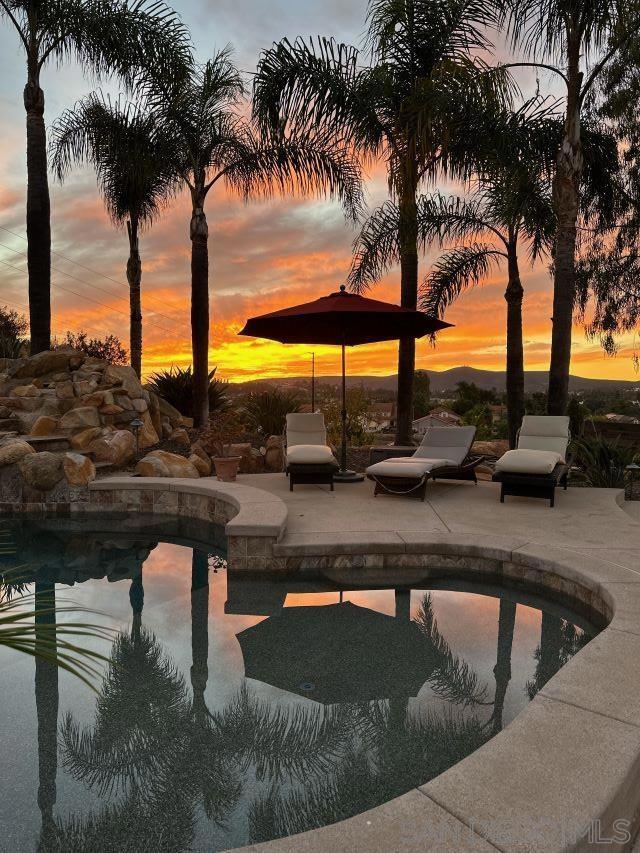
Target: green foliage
358	404
577	415
421	393
108	349
13	326
266	411
176	387
468	395
480	417
601	462
13	347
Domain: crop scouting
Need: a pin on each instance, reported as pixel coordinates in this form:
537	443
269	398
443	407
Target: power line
95	272
59	287
82	295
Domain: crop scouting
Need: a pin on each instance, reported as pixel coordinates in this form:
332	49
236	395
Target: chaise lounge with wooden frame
308	457
442	455
540	462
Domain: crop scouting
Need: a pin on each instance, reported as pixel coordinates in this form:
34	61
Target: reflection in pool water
234	710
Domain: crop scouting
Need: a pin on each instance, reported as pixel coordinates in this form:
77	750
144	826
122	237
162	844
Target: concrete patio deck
587	521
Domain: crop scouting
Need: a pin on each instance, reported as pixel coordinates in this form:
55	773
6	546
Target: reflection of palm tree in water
393	751
47	700
163	752
559	641
502	669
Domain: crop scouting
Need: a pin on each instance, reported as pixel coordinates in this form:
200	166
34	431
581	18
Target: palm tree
212	144
106	37
511	204
121	140
417	98
583	38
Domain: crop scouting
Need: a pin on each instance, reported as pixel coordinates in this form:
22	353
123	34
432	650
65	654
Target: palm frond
456	271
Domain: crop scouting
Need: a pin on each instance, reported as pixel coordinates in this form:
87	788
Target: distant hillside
445	380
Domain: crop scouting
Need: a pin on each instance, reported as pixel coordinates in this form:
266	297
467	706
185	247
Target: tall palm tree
106	37
416	98
213	145
131	158
576	41
510	203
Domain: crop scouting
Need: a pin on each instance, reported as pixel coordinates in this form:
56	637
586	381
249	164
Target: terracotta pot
227	467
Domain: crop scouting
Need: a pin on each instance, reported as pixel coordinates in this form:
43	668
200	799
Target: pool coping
563	776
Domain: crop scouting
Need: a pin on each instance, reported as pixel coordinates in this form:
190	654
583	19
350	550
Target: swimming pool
239	710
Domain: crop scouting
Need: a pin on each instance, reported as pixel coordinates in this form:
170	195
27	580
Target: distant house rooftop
436	418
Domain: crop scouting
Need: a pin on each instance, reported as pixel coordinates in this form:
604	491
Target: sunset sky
263	255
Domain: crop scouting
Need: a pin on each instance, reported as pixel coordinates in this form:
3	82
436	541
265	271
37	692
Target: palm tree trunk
134	277
38	213
515	355
566	201
200	309
408	240
47	700
502	669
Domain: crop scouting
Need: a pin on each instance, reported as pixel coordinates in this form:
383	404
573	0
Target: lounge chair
442	455
308	458
540	461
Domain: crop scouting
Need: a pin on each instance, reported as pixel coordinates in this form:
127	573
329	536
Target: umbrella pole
344	475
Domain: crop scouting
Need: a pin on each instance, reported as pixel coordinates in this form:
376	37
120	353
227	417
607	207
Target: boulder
177	466
168	411
50	361
202	466
41	470
243	450
78	469
82	440
121	374
111	409
98	398
85	416
14	451
45	425
274	454
147	437
64	390
118	447
140	405
180	437
125	402
26	391
151	466
154	411
84	386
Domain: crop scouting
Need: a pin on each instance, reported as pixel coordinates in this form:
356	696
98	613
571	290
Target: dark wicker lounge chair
442	455
308	458
540	462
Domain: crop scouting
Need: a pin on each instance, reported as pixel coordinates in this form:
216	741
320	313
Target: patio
586	521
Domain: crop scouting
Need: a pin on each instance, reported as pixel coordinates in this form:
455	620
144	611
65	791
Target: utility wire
82	295
95	272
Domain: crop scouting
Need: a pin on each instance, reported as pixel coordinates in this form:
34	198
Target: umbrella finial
343	287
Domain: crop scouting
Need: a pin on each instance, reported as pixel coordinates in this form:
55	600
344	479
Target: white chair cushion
528	461
544	432
310	454
409	466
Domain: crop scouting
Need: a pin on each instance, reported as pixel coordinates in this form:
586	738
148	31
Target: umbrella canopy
338	653
342	318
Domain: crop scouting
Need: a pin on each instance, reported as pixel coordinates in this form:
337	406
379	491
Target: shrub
224	427
266	412
358	405
13	347
176	387
601	462
109	349
12	324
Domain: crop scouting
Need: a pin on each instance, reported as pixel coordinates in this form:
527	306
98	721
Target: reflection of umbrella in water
337	653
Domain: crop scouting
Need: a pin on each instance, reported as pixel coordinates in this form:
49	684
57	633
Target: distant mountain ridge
446	380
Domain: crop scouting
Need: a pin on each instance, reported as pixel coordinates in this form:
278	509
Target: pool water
236	711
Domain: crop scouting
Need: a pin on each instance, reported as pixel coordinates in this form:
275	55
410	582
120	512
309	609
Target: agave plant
601	462
267	411
12	347
176	387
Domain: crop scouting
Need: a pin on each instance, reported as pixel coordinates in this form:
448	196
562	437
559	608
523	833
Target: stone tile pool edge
562	777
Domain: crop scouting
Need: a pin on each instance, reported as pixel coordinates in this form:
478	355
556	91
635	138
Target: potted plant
216	439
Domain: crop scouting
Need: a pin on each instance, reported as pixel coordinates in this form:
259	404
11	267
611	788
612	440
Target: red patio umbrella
342	319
